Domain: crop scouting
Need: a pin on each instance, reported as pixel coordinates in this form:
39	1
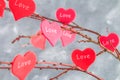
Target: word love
38	40
110	42
65	16
21	8
51	31
2	7
67	37
83	59
22	65
21	5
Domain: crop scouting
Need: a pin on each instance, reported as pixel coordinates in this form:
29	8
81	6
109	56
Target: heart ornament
2	7
109	42
38	40
22	65
83	59
65	16
67	37
22	8
52	31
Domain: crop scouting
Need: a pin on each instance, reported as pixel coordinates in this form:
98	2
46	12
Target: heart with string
83	59
38	40
109	42
22	65
2	7
65	16
22	8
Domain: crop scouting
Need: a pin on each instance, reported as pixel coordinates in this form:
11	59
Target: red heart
2	7
22	65
38	40
52	31
110	42
67	37
83	59
65	16
21	8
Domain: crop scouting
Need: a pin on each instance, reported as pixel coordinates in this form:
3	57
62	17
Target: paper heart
110	42
83	59
65	16
21	8
67	37
38	40
51	31
2	7
22	65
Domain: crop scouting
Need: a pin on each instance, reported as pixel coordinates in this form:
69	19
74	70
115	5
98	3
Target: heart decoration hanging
52	31
67	37
65	16
2	7
22	65
109	42
83	59
38	40
22	8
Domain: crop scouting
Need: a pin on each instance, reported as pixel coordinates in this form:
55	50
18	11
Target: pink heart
2	7
22	8
84	58
67	37
110	42
52	31
22	65
38	40
65	16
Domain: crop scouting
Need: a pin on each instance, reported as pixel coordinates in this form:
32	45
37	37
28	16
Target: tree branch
20	37
56	77
55	66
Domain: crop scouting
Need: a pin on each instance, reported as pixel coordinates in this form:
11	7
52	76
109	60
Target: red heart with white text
110	42
52	31
67	37
65	16
2	7
83	59
22	65
21	8
38	40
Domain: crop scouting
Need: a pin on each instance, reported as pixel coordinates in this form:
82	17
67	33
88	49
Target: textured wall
93	14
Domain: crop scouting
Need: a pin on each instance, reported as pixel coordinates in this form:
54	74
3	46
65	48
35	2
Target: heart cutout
109	42
21	8
65	16
38	40
67	37
83	59
52	31
2	7
22	65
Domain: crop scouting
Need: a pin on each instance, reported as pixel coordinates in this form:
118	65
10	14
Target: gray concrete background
96	15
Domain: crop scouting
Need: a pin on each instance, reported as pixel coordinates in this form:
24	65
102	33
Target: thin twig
3	62
56	77
84	41
101	52
55	63
19	37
